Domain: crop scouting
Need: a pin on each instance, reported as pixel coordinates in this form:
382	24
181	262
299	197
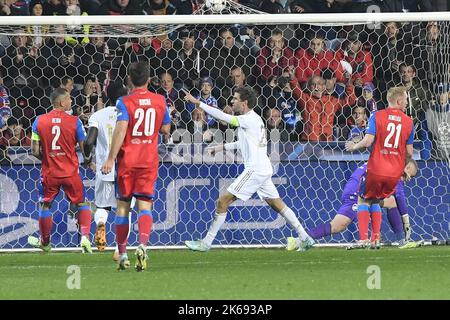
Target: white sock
100	216
290	217
219	219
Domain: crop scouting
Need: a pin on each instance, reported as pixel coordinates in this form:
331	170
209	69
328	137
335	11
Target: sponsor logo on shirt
135	141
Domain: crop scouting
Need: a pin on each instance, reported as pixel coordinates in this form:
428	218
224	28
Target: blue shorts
349	208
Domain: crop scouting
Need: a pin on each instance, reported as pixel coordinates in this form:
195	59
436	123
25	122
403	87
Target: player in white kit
101	127
257	175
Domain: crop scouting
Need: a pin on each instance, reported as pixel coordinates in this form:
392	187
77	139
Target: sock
219	219
322	230
145	221
45	226
375	211
84	220
122	228
291	218
363	221
395	221
100	216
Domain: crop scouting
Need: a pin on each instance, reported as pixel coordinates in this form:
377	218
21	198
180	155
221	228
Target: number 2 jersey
145	112
393	130
59	134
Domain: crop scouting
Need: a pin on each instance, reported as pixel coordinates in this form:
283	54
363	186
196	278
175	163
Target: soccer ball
216	5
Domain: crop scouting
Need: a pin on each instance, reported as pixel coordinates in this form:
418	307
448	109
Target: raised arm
214	112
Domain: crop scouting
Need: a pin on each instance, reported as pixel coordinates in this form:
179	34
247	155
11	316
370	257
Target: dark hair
327	74
406	64
139	73
12	121
65	80
114	91
246	93
57	94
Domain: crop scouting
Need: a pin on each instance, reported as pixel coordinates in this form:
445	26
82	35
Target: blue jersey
352	186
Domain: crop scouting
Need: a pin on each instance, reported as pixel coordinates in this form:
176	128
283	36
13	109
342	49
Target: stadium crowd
316	83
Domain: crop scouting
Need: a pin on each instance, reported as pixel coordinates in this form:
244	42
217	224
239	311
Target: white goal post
310	173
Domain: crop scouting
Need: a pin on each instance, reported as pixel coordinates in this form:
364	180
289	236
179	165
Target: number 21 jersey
393	130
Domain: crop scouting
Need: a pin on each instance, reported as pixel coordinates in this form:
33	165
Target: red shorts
137	182
374	187
73	188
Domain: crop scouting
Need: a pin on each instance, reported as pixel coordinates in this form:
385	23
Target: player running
141	116
55	136
396	204
257	175
393	133
101	127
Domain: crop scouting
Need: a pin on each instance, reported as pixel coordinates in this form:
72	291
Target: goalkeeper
396	204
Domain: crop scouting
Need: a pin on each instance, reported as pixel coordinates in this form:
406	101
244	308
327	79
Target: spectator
358	129
360	60
180	116
272	6
183	6
14	135
187	62
36	9
121	7
14	8
438	120
225	54
392	48
302	6
275	122
319	109
274	58
330	6
159	7
332	86
418	100
54	8
166	57
5	108
236	78
366	100
315	58
145	49
251	39
205	96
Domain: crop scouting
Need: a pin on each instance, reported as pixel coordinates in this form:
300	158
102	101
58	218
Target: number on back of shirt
393	131
56	132
147	118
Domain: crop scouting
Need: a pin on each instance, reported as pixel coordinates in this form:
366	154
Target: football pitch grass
259	274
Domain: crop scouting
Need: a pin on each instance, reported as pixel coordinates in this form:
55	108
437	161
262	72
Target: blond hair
395	92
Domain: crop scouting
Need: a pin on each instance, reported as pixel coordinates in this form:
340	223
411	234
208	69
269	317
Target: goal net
341	67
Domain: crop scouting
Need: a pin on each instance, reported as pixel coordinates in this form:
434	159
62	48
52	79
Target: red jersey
145	112
59	133
393	130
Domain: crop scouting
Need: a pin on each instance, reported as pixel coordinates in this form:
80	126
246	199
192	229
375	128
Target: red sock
84	220
376	226
363	222
45	226
145	222
122	228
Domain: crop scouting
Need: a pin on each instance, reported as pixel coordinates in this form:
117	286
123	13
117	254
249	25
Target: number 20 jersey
393	130
145	112
58	133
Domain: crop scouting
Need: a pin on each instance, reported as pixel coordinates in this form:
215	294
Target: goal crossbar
355	18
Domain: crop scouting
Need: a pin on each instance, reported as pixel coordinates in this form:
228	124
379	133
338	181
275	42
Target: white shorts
105	195
250	182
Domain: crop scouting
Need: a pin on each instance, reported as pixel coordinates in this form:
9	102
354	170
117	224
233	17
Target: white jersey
105	121
252	142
